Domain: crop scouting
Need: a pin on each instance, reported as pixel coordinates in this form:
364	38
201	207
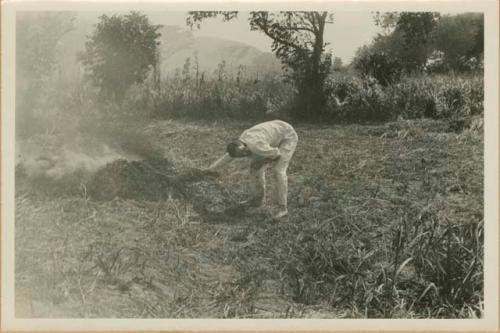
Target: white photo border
490	322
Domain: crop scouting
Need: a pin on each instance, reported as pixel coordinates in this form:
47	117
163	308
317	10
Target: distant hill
177	44
210	52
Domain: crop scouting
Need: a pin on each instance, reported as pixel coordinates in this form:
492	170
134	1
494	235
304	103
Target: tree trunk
318	44
313	85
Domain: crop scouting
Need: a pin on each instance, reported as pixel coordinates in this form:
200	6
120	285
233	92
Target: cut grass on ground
385	221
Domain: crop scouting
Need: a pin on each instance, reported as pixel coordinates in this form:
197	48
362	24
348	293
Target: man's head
236	148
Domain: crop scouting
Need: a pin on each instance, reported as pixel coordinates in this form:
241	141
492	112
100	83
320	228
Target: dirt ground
155	257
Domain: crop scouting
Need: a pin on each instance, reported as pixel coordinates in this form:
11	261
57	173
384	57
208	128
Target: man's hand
274	159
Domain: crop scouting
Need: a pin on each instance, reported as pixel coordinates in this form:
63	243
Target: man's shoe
253	203
281	214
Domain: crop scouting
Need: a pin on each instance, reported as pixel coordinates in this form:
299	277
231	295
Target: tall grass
227	95
447	96
350	98
424	269
246	96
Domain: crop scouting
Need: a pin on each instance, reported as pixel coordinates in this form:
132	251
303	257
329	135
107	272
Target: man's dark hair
233	147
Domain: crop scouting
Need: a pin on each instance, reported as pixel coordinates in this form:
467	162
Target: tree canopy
298	41
418	41
120	52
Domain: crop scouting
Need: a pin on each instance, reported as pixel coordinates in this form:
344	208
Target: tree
120	52
460	38
377	64
411	57
337	64
418	27
416	38
409	37
387	21
297	40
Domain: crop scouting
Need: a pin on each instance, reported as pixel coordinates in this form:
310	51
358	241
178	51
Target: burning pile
157	179
132	180
152	179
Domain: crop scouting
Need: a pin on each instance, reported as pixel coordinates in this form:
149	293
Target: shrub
453	97
412	98
441	96
379	65
358	100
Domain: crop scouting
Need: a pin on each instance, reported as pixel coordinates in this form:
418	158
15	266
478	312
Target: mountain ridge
212	53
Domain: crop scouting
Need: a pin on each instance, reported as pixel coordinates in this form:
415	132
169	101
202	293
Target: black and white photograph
194	162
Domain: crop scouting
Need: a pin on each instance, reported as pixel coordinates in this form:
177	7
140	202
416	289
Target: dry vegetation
385	221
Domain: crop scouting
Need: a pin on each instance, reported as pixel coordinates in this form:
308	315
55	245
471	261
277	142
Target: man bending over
271	143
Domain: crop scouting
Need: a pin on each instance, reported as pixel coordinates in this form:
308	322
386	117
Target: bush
354	99
378	65
412	98
440	97
358	100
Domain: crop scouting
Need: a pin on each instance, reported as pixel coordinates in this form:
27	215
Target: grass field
385	221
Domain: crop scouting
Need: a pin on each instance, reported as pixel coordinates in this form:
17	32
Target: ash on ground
153	179
158	179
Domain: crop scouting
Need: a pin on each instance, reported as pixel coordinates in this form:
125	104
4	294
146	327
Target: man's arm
258	162
225	159
264	150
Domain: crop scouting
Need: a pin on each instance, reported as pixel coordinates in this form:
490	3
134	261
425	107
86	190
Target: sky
349	31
